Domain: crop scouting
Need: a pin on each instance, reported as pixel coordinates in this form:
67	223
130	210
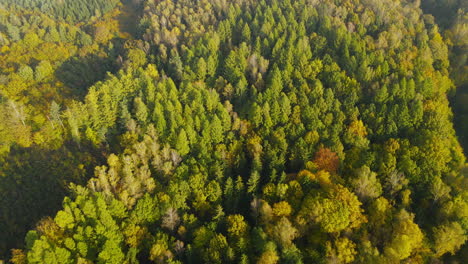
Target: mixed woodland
243	131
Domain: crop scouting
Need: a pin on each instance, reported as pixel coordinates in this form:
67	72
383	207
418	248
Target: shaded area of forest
130	17
33	182
452	17
460	120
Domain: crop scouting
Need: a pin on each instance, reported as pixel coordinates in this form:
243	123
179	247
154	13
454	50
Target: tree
55	113
181	143
282	209
342	251
283	232
175	65
43	70
141	111
340	209
137	58
268	257
325	159
366	185
449	237
160	252
395	182
170	219
217	250
246	34
55	248
334	217
18	257
253	182
439	189
237	227
26	73
201	69
13	32
406	237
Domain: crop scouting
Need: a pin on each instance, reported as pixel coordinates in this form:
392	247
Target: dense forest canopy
213	131
70	10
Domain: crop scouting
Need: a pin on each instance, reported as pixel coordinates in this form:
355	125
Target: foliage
248	131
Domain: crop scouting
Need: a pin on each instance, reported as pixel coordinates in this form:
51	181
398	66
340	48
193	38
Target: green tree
26	73
366	185
449	238
141	110
181	143
43	70
406	237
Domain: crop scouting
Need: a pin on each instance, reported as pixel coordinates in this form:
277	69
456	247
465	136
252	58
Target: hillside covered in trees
245	131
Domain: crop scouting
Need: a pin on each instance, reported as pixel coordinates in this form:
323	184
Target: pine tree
181	143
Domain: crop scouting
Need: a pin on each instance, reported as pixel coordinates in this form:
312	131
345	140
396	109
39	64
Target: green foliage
229	132
366	185
72	11
448	238
406	238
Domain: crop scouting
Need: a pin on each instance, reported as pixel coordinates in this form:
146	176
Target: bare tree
171	219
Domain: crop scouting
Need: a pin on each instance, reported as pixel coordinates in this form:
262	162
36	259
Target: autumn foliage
325	159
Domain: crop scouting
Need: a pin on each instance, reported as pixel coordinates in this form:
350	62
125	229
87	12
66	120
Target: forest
242	131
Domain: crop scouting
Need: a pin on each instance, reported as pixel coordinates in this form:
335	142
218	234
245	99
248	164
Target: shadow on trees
79	73
131	11
460	121
33	183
